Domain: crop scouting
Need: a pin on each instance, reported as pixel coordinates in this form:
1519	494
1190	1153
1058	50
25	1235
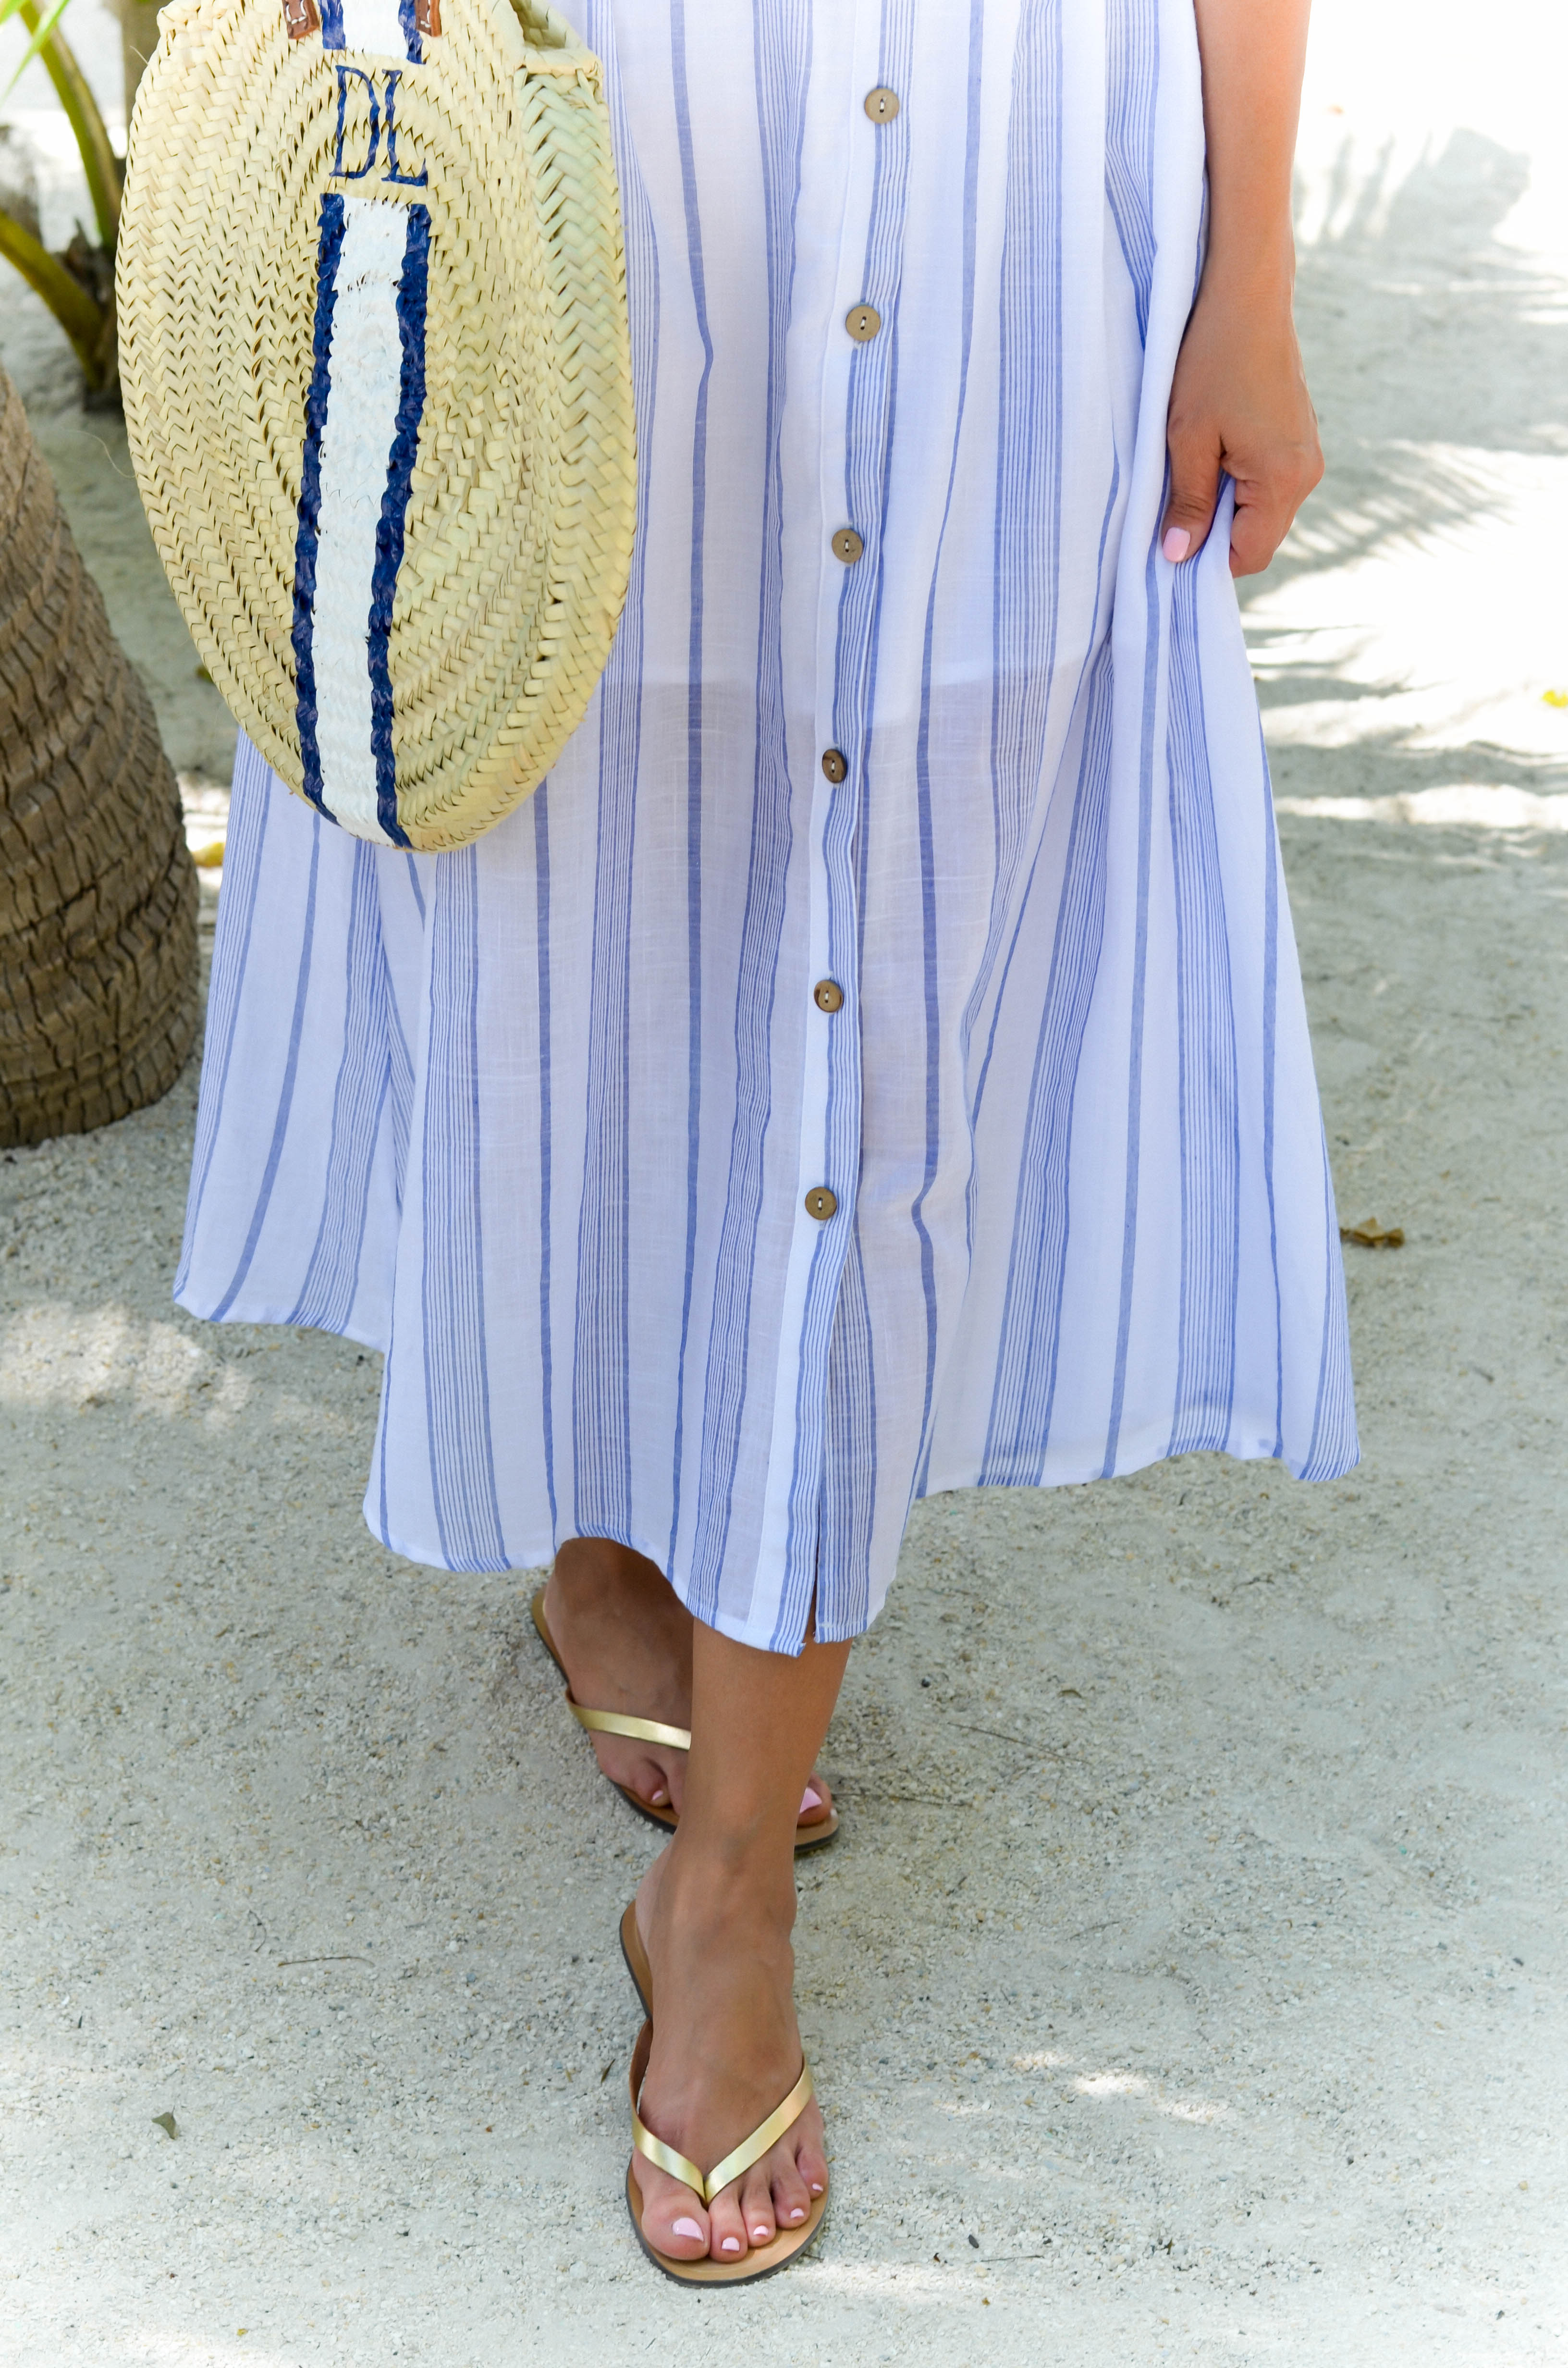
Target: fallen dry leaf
1373	1237
166	2122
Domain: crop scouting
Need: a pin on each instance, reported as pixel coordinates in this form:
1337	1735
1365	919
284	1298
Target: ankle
717	1884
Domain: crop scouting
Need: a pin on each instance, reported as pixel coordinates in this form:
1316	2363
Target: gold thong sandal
763	2260
650	1730
636	1957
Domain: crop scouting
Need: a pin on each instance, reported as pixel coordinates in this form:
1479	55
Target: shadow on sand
1427	340
1430	345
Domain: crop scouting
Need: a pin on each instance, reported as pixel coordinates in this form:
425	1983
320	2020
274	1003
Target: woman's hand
1239	402
1239	407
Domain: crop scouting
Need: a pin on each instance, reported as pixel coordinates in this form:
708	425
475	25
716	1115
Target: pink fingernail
687	2228
731	2244
811	1798
1176	544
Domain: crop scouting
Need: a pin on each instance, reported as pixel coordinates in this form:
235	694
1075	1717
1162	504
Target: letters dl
382	112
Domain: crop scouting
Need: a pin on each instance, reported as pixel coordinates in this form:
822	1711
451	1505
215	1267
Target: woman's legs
716	1912
625	1637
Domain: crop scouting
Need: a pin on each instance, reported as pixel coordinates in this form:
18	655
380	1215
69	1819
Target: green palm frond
40	29
73	307
77	286
104	170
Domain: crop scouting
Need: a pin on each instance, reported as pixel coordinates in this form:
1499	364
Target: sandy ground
1188	1982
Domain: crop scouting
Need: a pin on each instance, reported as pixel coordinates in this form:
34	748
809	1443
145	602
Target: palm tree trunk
138	40
98	967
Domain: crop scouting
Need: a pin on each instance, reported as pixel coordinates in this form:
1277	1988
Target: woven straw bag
377	376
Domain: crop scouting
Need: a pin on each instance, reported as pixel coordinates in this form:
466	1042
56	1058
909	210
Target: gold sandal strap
741	2158
536	1605
679	2166
606	1722
761	2140
667	2158
641	1730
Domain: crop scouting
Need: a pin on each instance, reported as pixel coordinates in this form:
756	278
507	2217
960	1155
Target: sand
1188	1982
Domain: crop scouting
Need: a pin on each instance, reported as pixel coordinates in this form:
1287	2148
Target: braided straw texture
99	963
519	536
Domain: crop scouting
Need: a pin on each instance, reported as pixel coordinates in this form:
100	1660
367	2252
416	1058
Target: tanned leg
716	1912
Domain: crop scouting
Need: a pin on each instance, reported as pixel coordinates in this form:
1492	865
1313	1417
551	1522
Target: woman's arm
1239	403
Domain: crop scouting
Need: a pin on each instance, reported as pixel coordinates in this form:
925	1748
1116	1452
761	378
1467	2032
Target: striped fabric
547	1120
362	418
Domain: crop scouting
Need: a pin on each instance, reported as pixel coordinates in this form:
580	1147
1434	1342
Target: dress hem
541	1547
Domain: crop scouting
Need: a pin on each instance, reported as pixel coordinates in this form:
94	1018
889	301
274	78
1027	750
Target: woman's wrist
1258	273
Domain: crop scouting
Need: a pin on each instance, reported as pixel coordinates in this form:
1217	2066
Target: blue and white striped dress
549	1121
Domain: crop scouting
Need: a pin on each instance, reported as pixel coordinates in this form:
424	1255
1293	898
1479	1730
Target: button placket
848	271
834	1091
857	544
855	393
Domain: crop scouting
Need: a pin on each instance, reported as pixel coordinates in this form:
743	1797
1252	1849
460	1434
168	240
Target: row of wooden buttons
863	323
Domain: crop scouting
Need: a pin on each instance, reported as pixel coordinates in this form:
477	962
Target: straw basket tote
376	377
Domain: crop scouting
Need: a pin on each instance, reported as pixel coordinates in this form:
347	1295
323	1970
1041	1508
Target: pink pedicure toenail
815	2189
657	1800
811	1798
797	2213
731	2244
759	2236
687	2228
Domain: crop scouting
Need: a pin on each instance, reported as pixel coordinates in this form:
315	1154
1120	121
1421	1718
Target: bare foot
625	1638
726	2051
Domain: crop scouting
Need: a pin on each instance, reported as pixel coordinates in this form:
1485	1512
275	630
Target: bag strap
302	18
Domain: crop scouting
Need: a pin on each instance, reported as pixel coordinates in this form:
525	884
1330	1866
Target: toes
625	1765
816	1802
757	2207
727	2238
616	1761
791	2198
673	2220
810	2159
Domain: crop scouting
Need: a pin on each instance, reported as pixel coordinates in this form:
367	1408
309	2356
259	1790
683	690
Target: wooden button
847	545
863	321
834	764
882	103
821	1203
827	994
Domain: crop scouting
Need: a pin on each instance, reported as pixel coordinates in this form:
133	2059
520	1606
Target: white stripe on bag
361	421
